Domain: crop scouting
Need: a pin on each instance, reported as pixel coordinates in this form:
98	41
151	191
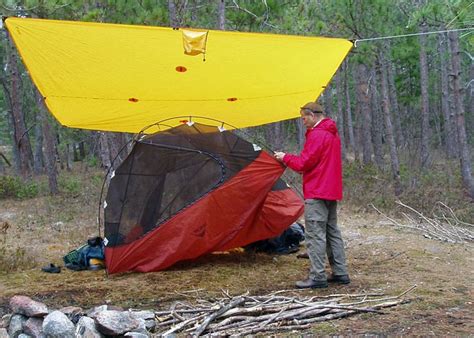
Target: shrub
70	185
92	161
14	187
8	186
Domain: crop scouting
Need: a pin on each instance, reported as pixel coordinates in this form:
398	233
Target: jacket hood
328	125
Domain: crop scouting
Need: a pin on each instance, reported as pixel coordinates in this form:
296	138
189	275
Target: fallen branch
275	312
443	228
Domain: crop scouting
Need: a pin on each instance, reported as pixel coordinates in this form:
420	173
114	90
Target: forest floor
381	258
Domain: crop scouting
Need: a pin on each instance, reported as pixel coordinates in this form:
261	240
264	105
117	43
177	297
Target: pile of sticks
444	225
280	311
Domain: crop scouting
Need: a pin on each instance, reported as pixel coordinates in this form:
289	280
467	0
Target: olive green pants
322	236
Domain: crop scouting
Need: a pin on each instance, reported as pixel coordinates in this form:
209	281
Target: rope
412	34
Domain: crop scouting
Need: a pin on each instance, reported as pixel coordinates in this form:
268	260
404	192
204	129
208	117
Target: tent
196	188
191	190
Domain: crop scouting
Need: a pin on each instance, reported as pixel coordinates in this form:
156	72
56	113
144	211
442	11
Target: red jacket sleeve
310	155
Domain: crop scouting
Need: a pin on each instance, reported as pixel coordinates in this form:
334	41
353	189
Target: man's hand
279	155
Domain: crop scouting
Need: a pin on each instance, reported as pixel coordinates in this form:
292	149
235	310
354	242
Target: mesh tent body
189	191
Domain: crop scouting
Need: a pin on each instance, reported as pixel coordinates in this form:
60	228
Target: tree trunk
301	130
68	156
38	155
377	121
173	18
452	108
115	142
328	101
350	127
82	150
470	93
466	167
449	134
340	113
395	108
221	14
436	112
104	150
356	123
364	106
49	145
110	149
425	109
389	128
21	140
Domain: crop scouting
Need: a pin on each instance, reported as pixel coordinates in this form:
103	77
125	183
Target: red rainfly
241	211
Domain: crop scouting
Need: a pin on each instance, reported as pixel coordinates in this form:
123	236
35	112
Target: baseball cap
313	107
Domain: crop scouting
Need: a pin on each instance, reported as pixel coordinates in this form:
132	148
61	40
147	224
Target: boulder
92	313
148	317
95	310
86	328
145	315
3	333
58	325
16	325
5	321
72	312
34	327
111	322
26	306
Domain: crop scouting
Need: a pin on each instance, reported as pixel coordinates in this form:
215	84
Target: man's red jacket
320	162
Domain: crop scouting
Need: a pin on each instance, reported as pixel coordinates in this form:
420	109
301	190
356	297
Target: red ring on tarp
231	99
132	99
181	69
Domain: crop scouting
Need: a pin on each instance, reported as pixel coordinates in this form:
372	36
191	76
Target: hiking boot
51	268
310	283
341	279
303	255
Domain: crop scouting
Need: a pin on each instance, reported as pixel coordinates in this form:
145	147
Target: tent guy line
411	34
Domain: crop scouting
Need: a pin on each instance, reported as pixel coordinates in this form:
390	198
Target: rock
57	324
150	325
86	328
94	311
136	335
34	327
145	315
5	321
3	333
148	317
142	327
111	322
72	312
23	335
16	325
26	306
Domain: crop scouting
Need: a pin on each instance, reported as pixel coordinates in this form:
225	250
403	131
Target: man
321	166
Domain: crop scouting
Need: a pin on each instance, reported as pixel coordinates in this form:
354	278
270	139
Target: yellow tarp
123	78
